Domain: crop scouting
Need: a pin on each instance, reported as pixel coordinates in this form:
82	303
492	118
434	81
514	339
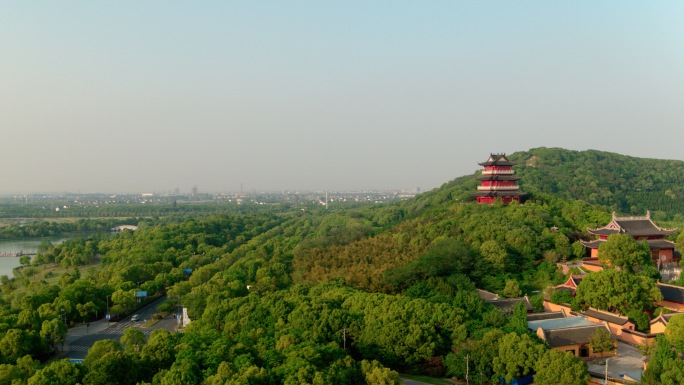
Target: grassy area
427	380
52	272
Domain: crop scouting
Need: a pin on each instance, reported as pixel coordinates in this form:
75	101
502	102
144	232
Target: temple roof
497	160
509	303
572	282
605	316
545	316
660	244
499	177
558	323
570	336
634	226
487	295
664	318
654	244
671	293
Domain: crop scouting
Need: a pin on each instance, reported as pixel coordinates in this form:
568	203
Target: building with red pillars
498	180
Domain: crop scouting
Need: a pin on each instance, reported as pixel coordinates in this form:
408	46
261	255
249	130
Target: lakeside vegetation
351	295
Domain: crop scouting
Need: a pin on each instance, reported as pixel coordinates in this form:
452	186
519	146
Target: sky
150	96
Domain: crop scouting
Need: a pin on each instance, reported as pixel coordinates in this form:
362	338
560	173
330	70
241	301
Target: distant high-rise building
498	180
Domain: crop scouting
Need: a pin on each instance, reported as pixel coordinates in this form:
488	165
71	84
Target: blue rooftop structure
559	323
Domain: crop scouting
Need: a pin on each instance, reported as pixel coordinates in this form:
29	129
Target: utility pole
467	368
344	338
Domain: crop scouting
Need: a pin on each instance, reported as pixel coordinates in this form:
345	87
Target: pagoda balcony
497	188
498	172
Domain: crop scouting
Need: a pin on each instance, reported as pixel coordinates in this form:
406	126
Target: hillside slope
625	184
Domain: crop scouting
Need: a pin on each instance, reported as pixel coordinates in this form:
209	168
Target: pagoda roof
497	160
507	193
499	177
634	226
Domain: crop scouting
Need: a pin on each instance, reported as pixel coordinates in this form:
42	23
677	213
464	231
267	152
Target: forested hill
627	184
620	183
345	295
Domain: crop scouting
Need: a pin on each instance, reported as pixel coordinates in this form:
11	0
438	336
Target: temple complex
640	228
498	180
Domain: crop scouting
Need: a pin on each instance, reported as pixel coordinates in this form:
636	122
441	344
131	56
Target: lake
28	246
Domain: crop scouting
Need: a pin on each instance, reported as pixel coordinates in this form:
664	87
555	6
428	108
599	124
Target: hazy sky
147	96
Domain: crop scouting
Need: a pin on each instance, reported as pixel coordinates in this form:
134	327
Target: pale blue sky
142	96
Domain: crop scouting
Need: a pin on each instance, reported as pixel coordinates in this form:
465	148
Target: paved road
628	362
406	381
80	338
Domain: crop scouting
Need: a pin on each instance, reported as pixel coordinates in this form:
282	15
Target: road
628	363
81	337
406	381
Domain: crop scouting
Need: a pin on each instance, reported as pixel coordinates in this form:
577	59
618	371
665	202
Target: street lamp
107	314
65	324
606	381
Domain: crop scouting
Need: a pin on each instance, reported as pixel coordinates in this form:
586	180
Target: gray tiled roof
637	227
672	293
614	319
487	295
559	323
652	243
497	160
545	316
499	193
510	303
570	336
499	177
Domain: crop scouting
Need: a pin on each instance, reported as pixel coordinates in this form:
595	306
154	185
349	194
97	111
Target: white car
135	318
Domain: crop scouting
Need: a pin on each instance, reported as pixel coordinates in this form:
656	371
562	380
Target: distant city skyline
133	97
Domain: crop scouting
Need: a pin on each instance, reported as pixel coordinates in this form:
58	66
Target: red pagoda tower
498	180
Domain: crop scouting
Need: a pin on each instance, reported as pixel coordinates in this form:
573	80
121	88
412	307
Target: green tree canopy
674	332
555	367
617	291
60	372
662	354
601	341
133	339
517	356
622	251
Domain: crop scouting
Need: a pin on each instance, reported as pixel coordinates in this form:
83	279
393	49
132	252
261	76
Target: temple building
498	180
640	228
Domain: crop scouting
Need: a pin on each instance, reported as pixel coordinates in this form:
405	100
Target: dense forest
351	295
625	184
